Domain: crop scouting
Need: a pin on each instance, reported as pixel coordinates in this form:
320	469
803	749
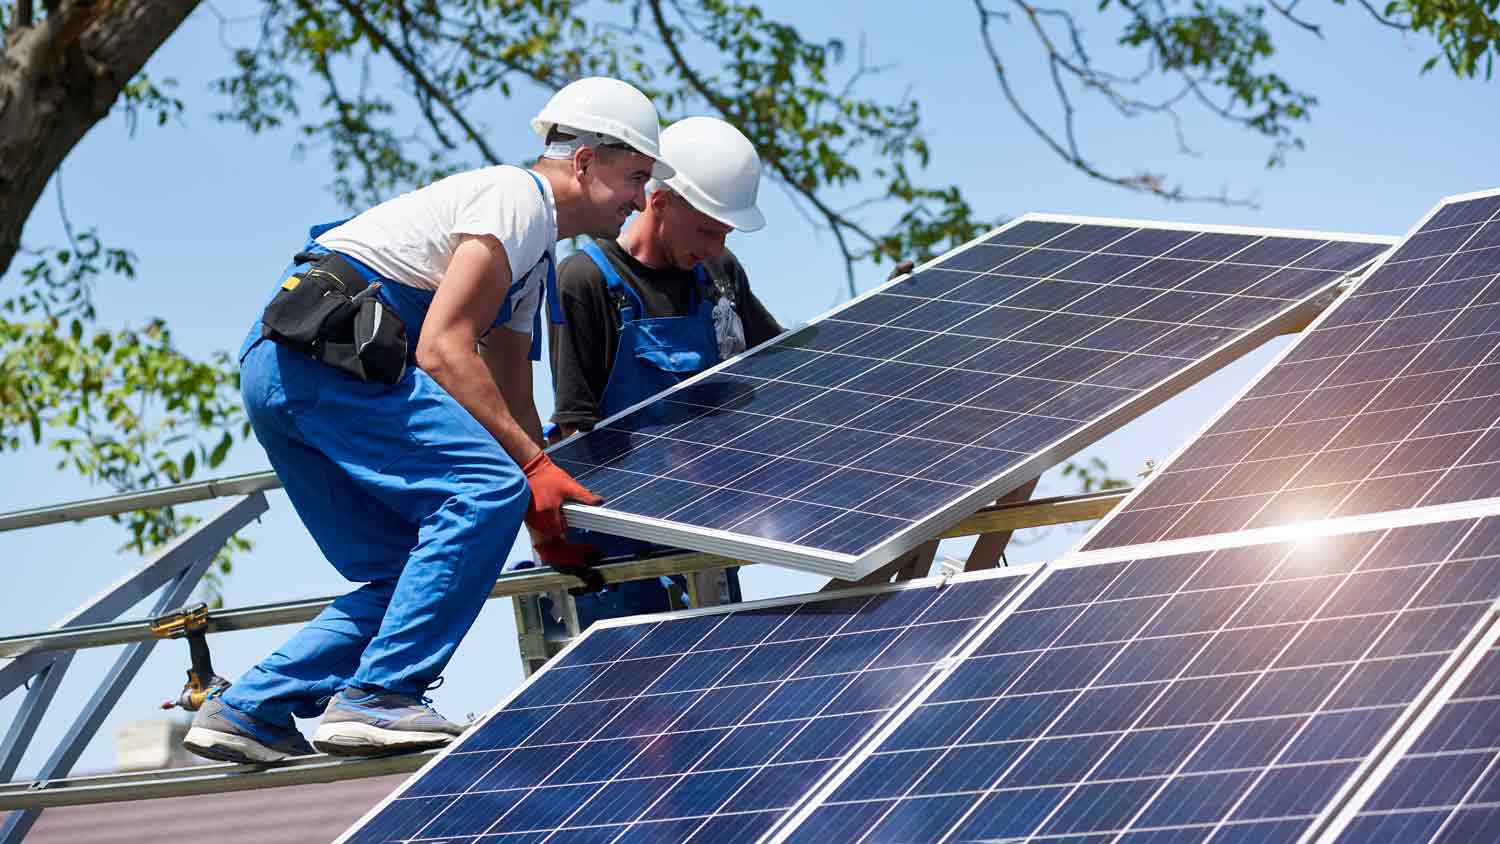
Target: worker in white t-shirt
389	382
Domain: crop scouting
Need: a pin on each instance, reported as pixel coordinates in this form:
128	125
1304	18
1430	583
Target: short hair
604	146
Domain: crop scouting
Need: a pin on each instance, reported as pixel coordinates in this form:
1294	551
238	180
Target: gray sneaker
363	723
224	734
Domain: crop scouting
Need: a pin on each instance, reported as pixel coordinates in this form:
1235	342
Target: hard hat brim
744	219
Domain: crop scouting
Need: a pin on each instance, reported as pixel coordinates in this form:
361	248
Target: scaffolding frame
40	659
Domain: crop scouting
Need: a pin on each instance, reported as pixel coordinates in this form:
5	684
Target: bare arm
466	302
507	354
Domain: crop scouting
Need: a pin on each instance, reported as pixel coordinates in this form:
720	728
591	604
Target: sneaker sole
351	738
227	747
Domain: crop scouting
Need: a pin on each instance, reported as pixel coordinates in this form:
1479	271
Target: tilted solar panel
1446	788
1230	695
841	445
705	726
1389	402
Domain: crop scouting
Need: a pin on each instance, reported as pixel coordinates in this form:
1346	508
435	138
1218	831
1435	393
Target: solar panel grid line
1343	305
873	593
1110	532
706	634
1337	819
1448	546
1404	722
838	564
869	739
1048	241
581	641
1141	812
566	659
818	796
580	808
1375	398
1013	764
578	642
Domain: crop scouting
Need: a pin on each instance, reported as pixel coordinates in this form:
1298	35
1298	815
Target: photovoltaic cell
835	439
1389	403
1224	695
1446	788
704	728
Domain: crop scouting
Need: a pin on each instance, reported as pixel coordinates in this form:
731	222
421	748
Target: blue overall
654	354
403	490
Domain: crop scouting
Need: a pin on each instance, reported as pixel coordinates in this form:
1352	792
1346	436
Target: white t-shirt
410	239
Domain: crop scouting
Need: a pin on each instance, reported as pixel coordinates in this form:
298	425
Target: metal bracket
947	570
174	572
179	623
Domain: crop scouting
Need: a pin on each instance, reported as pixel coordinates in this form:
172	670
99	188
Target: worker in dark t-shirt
669	263
664	302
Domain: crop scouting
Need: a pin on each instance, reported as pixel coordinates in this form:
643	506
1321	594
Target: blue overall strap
703	305
634	308
322	228
549	292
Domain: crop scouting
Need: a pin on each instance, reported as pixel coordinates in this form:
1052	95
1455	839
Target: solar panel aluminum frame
1026	574
1361	783
852	567
1208	424
1454	511
1365	781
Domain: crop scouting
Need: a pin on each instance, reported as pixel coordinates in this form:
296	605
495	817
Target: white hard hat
718	171
609	107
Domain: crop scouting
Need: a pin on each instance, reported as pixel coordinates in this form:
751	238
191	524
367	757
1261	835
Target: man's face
614	182
689	236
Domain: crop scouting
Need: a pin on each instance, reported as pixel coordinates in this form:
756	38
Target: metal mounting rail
145	499
31	796
1038	513
199	779
43	656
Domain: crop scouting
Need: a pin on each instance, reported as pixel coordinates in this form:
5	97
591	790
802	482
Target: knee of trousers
499	505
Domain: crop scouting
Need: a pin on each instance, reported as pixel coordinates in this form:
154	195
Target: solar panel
704	726
1229	694
841	445
1446	787
1388	403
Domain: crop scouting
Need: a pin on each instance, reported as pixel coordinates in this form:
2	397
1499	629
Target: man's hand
573	558
550	487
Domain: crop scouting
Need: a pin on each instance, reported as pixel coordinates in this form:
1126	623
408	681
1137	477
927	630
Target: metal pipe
166	496
1038	513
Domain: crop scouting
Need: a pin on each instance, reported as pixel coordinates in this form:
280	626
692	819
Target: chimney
149	745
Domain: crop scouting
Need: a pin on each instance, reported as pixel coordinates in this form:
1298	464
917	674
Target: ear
657	200
583	158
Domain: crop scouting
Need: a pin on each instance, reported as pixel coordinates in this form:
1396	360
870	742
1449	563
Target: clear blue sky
213	214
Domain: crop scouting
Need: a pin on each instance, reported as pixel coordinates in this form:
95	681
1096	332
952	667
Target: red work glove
550	487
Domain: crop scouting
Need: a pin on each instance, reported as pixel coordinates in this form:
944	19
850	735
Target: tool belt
330	313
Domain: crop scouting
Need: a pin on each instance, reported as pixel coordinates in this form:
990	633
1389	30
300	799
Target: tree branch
1068	149
836	222
1288	11
418	77
1375	13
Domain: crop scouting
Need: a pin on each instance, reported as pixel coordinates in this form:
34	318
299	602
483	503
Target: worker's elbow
434	357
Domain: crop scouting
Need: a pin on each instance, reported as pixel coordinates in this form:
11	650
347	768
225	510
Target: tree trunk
58	78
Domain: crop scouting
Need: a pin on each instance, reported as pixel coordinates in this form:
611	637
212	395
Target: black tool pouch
328	313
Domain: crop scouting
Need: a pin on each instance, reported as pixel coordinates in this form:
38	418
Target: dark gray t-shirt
583	348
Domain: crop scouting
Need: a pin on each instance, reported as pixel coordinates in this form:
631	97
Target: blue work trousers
404	491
